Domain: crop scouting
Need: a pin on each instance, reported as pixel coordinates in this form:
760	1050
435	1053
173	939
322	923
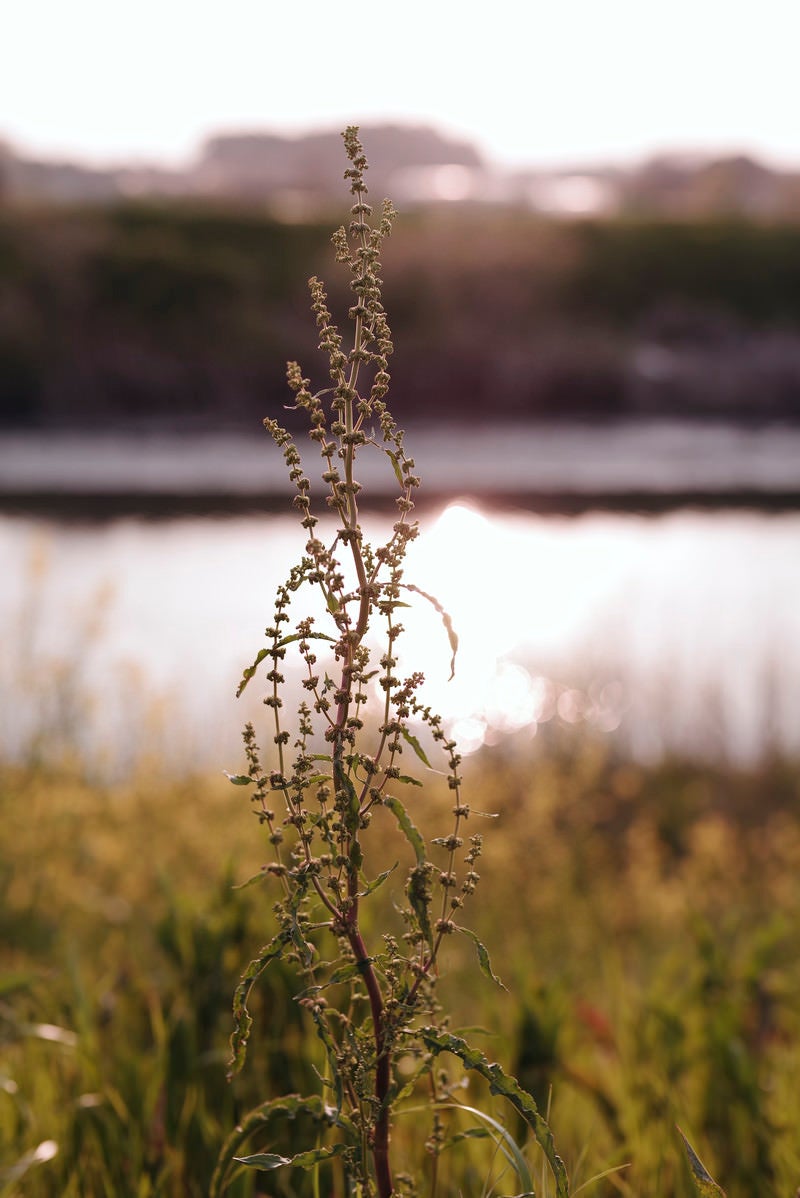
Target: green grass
647	923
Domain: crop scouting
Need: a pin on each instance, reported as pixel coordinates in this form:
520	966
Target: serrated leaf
250	671
415	745
509	1088
703	1181
409	780
372	886
242	1019
483	956
238	779
411	833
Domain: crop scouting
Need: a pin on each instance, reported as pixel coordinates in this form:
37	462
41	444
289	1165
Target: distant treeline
142	314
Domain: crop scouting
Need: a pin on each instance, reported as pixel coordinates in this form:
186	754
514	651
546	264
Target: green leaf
351	815
288	1107
332	1053
238	779
250	671
419	895
509	1088
242	1019
703	1181
415	745
447	620
409	780
483	956
356	858
331	602
345	973
398	1094
263	1160
396	463
470	1133
299	636
304	949
411	833
303	1160
372	886
259	877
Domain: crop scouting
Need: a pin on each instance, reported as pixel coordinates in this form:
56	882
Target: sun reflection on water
672	634
509	601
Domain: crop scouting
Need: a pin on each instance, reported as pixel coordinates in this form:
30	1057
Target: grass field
646	922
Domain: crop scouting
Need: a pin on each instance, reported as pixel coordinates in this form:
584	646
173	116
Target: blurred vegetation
141	314
645	920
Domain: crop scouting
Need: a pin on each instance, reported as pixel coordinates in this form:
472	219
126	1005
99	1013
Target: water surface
676	633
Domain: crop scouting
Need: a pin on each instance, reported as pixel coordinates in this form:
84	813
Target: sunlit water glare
674	633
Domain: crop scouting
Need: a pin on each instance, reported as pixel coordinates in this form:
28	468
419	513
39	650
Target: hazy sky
539	82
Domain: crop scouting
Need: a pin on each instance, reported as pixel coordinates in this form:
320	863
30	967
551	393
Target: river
124	638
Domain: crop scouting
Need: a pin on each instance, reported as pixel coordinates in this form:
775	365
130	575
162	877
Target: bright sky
529	81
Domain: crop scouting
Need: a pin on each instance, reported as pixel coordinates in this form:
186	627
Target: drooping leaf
331	602
238	779
332	1053
411	833
304	949
419	896
415	745
409	780
242	1019
447	620
483	956
396	463
352	812
509	1088
703	1181
250	670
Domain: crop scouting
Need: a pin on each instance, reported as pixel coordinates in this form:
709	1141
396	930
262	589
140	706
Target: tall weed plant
330	786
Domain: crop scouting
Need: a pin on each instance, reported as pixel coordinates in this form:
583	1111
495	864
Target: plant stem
380	1148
